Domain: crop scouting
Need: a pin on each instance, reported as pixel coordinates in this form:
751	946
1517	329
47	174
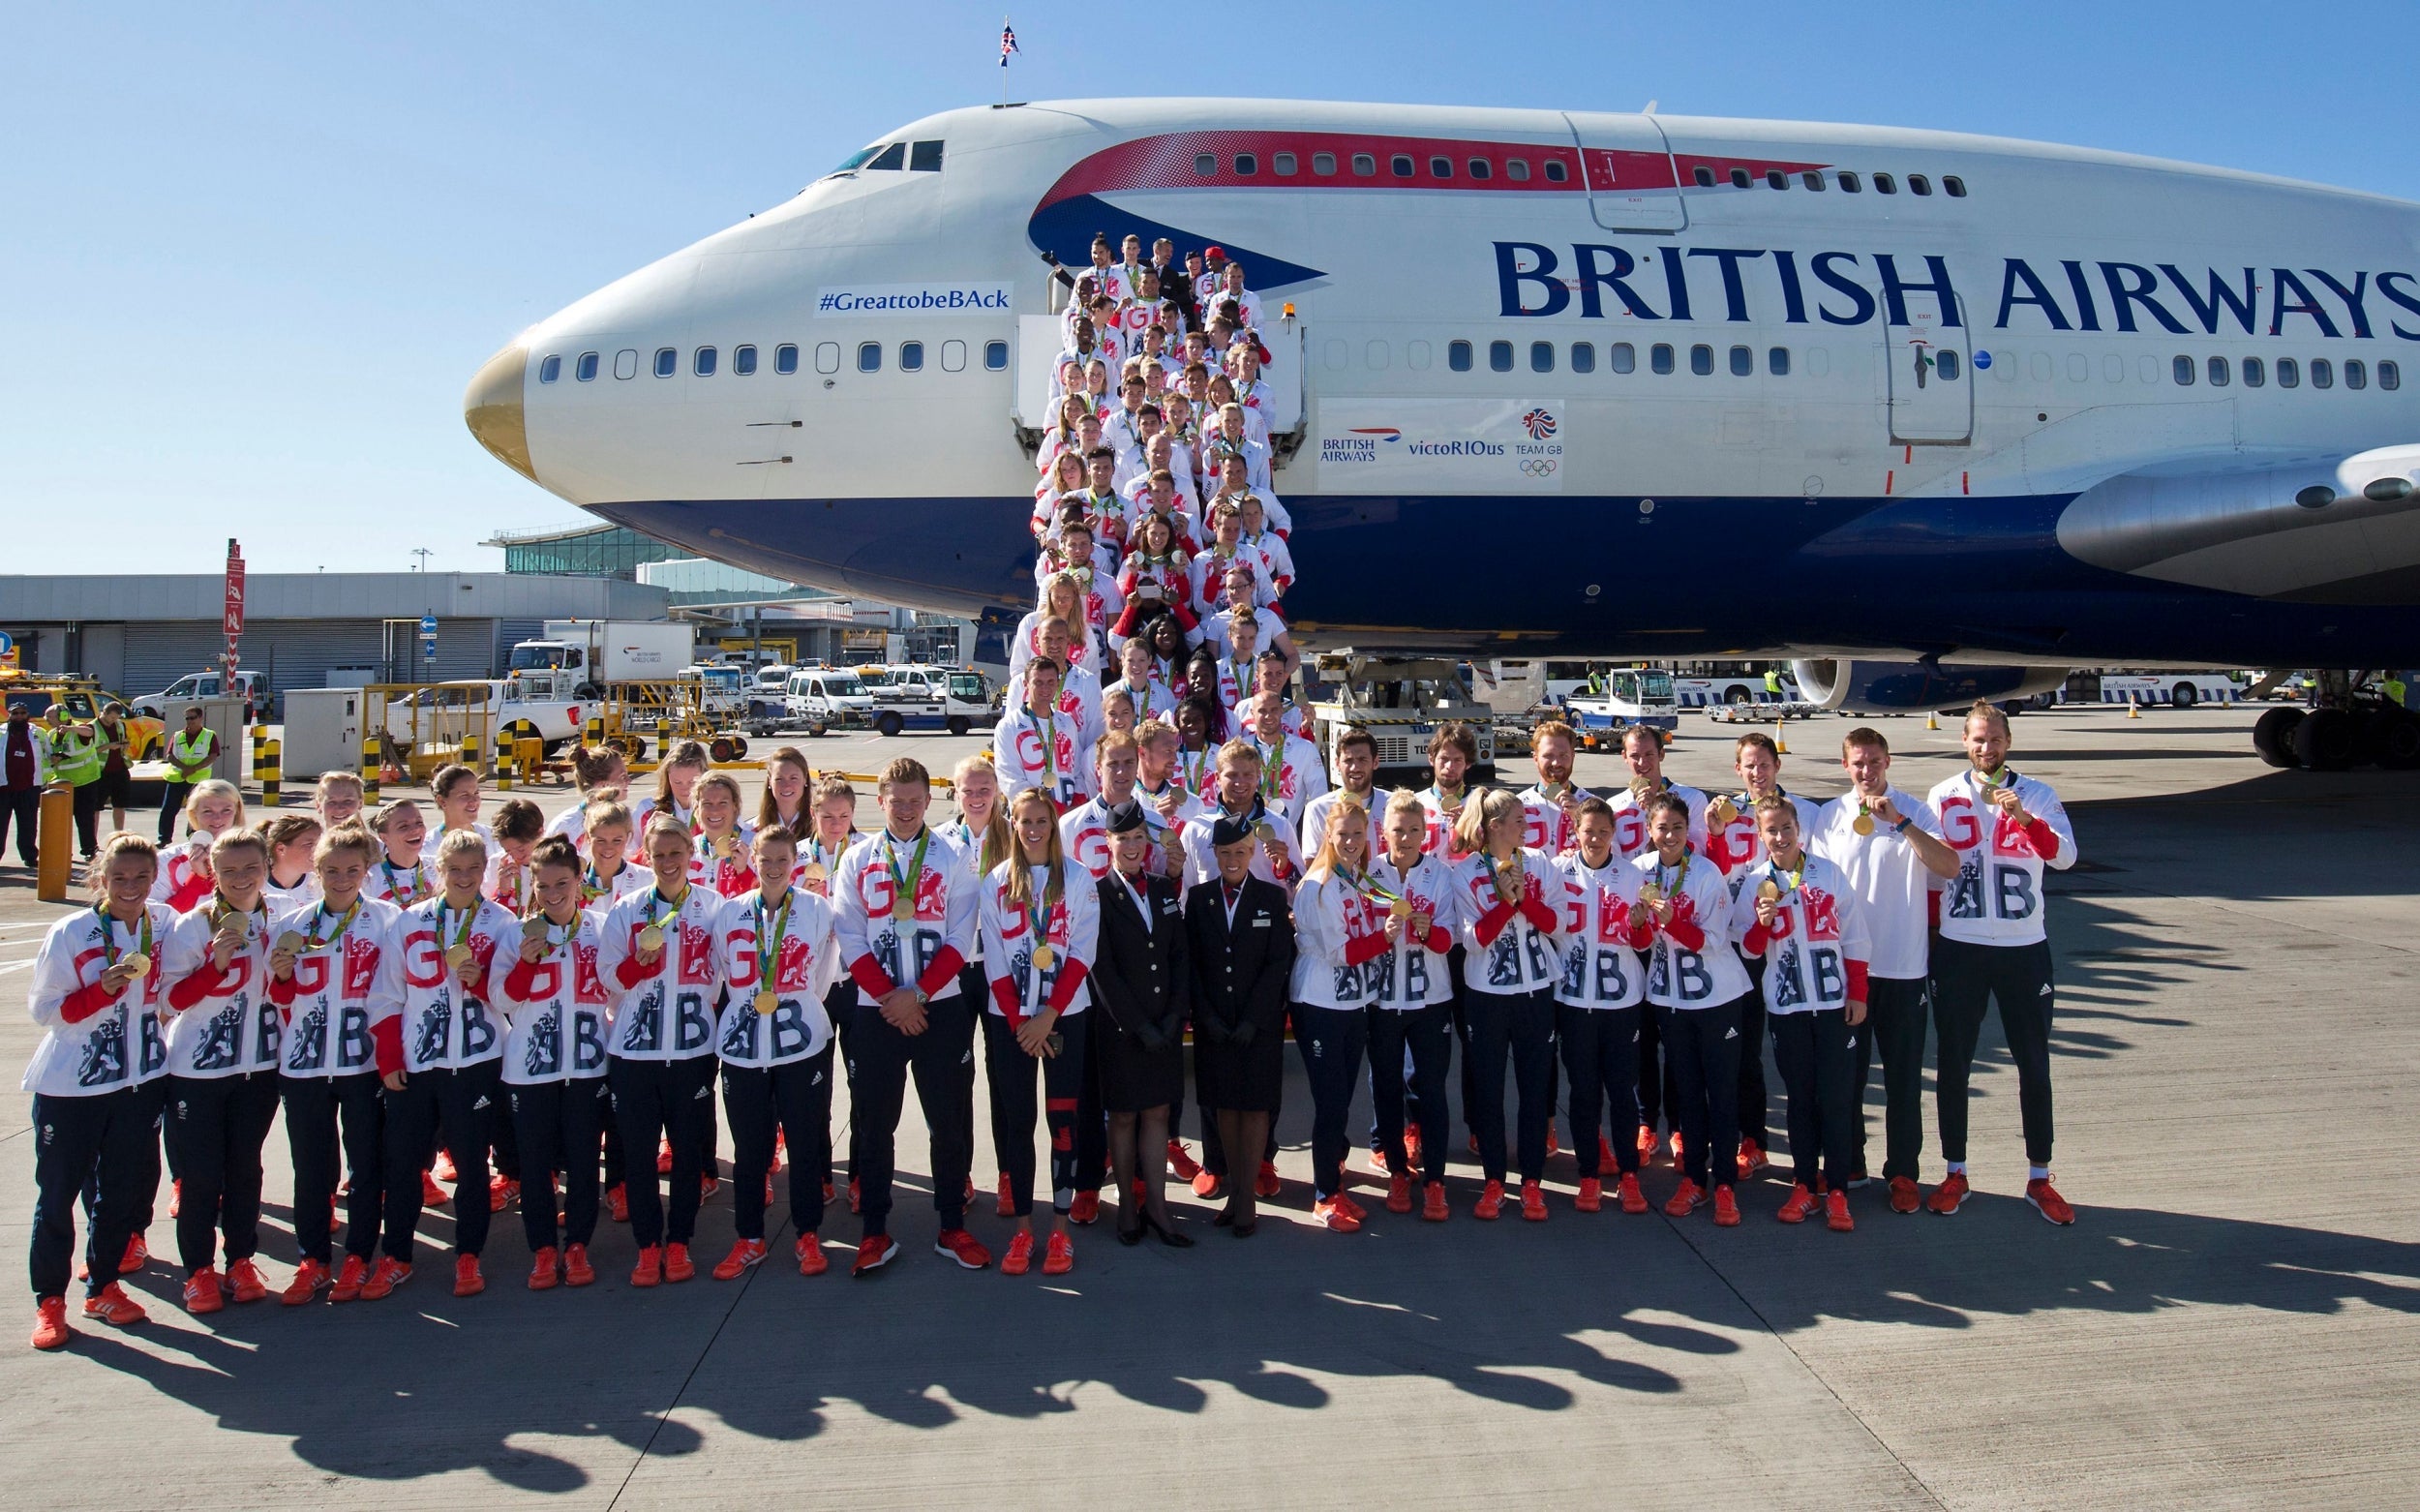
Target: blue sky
253	252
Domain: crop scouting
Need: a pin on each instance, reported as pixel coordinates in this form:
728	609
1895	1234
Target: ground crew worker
191	752
76	758
117	752
1773	683
24	765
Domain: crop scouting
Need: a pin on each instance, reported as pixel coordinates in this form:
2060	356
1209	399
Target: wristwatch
924	999
1901	827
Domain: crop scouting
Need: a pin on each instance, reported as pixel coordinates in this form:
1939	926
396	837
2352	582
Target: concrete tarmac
2228	1323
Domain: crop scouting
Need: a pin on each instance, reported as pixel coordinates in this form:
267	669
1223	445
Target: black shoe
1224	1220
1173	1237
1245	1230
1129	1237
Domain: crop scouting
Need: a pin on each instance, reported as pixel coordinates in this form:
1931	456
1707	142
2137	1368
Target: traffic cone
1932	720
1781	741
2134	708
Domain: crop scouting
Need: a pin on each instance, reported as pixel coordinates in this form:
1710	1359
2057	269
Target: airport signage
1388	445
973	296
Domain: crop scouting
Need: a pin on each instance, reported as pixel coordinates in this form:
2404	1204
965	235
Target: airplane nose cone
492	408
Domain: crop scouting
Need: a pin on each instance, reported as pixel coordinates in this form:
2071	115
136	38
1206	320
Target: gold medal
1640	788
457	957
293	942
1044	958
1863	824
1721	813
651	938
766	1001
903	908
137	963
533	927
1266	831
1769	891
1650	895
812	874
1401	908
726	846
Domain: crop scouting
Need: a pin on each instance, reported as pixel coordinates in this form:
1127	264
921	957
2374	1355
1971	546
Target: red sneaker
663	1156
51	1330
1006	1206
1836	1213
827	1194
309	1277
1533	1202
855	1196
1684	1199
744	1252
677	1266
176	1196
1605	1157
444	1169
1412	1147
577	1271
1591	1197
244	1282
1399	1194
1471	1141
959	1245
1268	1186
1085	1209
2047	1202
1491	1202
768	1188
1678	1159
1331	1216
873	1253
1950	1196
1345	1200
1554	1144
137	1256
1059	1258
1433	1207
1135	1190
810	1252
1380	1164
1207	1185
390	1273
650	1271
467	1281
1647	1146
201	1292
1020	1256
707	1187
618	1202
1799	1206
1726	1208
1181	1163
1633	1200
1904	1196
433	1195
349	1278
1752	1157
501	1189
113	1307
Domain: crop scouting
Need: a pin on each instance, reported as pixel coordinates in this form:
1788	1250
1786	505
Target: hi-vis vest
75	758
196	753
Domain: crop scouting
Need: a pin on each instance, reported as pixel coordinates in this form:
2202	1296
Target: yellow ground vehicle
83	698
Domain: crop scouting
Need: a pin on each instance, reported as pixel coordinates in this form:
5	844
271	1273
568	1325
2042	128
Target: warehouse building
138	634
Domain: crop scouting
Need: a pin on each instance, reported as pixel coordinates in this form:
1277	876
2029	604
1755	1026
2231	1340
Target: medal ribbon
111	954
769	954
343	925
904	886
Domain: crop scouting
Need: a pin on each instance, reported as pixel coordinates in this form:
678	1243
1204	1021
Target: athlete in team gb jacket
1411	1010
2006	829
554	999
331	1073
659	958
95	1080
1510	965
1694	979
1597	1003
779	958
223	1078
440	1044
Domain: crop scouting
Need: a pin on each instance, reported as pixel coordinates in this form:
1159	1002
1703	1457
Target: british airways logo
1598	280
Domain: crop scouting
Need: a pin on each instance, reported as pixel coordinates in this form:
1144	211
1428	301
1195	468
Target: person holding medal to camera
439	1048
1041	925
555	1003
1888	846
2009	832
1598	1005
1511	964
774	1037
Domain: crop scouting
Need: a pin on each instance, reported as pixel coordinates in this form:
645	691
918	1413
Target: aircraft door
1627	165
1932	388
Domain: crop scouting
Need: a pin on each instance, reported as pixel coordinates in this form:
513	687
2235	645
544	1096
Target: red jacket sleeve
519	981
1004	993
387	1035
2046	839
1438	940
870	977
84	1002
1857	981
1683	928
1063	991
1756	939
630	973
946	966
1538	914
1364	950
1491	922
196	985
282	992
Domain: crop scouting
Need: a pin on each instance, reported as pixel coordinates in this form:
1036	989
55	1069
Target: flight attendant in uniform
1041	927
95	1080
2009	832
1241	937
1141	979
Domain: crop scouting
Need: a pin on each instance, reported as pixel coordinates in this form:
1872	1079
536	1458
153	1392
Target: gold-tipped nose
492	408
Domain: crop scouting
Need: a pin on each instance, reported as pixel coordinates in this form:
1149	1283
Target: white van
169	707
826	698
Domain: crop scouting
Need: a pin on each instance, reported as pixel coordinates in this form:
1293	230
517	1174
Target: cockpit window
891	159
858	159
924	157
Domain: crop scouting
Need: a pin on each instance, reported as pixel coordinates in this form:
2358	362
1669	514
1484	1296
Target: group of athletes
1145	889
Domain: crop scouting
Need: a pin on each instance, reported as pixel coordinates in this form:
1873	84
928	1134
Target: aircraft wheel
2398	739
2327	740
2273	736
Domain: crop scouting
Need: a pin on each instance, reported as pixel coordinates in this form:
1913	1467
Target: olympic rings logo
1537	466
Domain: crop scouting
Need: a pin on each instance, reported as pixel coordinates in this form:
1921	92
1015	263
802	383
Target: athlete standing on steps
2006	829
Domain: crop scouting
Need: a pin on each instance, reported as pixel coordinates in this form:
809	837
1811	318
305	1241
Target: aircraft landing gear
2350	724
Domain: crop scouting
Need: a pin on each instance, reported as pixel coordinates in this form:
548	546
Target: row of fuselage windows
707	361
1947	364
1442	168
